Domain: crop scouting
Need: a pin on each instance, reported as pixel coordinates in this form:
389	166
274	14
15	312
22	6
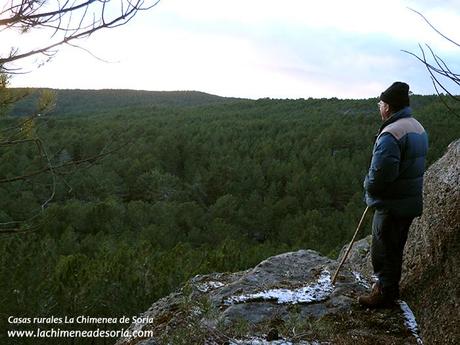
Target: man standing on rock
393	187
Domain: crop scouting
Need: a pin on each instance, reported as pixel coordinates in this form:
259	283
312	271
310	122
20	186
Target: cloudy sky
260	48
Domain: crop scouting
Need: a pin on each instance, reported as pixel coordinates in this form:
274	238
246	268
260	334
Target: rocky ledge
289	298
286	299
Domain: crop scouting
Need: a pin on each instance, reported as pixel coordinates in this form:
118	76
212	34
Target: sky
258	48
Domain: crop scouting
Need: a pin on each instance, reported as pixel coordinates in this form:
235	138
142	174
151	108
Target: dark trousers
389	235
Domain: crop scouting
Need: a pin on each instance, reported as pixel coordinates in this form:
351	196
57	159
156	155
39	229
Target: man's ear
386	108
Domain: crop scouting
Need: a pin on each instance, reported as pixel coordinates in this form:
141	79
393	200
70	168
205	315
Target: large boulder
431	273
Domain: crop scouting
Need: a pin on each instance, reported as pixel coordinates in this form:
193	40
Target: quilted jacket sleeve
384	167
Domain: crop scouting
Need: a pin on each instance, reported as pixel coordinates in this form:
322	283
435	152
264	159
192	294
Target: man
393	187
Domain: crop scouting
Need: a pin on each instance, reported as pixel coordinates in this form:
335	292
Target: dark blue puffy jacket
395	178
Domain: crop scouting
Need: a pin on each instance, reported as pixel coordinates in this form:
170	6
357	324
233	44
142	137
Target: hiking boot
376	299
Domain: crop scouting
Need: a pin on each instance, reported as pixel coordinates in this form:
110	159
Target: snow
409	318
361	280
316	292
409	321
196	311
259	341
211	285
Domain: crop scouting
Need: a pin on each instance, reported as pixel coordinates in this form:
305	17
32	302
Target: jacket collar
404	112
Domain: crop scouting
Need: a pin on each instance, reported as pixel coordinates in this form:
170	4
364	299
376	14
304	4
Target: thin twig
48	168
434	28
90	53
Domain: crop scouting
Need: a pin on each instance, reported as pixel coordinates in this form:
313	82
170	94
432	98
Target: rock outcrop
431	274
289	298
285	299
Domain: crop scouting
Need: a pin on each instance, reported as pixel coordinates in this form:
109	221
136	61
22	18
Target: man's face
384	110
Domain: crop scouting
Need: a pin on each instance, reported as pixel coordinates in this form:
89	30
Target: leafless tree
65	20
439	69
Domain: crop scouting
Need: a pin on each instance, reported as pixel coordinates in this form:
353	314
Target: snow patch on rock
259	341
316	292
360	280
208	286
410	322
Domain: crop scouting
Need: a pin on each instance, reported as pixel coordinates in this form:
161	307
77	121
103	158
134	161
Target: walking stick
349	246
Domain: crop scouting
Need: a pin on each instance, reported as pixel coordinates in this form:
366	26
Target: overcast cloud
288	49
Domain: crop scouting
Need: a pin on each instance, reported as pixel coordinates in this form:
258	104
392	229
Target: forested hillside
74	102
190	189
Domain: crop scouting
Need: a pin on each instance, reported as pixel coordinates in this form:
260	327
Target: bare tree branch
22	226
444	101
65	21
89	52
434	28
44	153
55	167
438	69
15	142
69	21
18	230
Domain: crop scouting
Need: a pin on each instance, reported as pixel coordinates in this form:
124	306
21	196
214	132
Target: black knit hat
397	95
